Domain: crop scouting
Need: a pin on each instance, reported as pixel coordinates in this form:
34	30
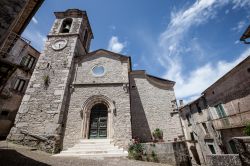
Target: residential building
17	57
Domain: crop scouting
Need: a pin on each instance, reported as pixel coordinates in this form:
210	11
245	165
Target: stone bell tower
40	120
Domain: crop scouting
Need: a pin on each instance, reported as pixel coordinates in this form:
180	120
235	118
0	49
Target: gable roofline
113	53
226	75
120	56
152	78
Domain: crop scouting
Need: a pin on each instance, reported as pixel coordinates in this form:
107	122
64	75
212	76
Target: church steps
94	148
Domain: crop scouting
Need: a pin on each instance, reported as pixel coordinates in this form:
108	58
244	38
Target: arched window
66	25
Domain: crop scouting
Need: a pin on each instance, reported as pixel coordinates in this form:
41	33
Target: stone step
92	151
94	148
88	156
95	140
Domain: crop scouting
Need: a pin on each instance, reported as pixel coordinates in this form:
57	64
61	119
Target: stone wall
43	106
223	160
110	85
151	108
121	121
174	153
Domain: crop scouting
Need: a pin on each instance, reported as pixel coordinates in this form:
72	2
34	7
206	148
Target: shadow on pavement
9	157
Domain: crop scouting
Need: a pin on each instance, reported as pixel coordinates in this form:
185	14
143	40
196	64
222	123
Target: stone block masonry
43	107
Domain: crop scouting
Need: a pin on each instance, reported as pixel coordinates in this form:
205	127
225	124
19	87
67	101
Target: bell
66	28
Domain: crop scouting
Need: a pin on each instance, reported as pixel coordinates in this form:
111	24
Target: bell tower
40	120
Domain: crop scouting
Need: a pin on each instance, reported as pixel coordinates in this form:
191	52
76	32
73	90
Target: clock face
59	44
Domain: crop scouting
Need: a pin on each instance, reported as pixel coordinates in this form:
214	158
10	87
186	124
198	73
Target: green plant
154	156
158	134
247	129
46	80
135	151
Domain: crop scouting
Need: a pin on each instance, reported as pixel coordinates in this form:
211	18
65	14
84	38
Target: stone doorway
98	122
98	111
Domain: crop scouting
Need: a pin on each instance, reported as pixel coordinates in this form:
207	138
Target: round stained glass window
98	70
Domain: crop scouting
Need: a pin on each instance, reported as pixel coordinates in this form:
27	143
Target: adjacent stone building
200	136
17	57
21	60
78	95
228	100
212	121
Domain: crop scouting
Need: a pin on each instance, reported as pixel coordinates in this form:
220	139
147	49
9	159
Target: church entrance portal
98	121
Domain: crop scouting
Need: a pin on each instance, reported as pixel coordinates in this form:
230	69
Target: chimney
181	102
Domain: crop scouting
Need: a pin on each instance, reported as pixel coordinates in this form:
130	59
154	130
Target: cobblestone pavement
14	155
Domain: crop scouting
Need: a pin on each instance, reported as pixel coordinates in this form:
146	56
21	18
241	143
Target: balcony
10	42
232	121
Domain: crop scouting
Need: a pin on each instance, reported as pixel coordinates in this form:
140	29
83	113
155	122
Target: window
66	25
198	107
205	128
220	111
233	147
192	136
188	119
211	147
85	38
98	70
28	61
19	84
4	113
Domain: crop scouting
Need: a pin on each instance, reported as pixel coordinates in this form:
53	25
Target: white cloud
34	20
240	26
37	39
112	27
240	3
115	45
201	78
172	46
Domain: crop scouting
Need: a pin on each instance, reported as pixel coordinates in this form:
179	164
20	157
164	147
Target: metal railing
10	42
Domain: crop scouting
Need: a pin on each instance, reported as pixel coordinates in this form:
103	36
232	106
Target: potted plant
158	135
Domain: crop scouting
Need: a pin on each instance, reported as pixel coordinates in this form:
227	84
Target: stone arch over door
86	110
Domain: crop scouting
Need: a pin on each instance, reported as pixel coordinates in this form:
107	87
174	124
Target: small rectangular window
220	111
188	119
19	84
205	127
4	113
211	147
198	107
192	136
28	61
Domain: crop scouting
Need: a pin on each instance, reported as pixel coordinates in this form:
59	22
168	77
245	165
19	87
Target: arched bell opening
66	25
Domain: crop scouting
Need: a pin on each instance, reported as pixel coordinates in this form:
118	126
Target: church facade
75	94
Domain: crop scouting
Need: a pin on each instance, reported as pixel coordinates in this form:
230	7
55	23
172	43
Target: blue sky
188	41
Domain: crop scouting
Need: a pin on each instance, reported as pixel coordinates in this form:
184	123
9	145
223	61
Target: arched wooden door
98	121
